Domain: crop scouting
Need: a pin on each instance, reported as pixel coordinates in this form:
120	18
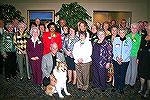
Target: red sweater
47	40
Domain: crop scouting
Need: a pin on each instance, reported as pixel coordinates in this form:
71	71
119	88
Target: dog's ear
58	62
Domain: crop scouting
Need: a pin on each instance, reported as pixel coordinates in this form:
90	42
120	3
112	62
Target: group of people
88	53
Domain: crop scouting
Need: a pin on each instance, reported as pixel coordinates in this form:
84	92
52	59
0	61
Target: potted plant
9	13
72	13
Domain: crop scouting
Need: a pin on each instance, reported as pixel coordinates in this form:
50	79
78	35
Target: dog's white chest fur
61	77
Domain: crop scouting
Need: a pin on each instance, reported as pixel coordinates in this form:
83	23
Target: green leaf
72	13
9	12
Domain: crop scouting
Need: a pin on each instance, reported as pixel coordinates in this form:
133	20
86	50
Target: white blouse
83	51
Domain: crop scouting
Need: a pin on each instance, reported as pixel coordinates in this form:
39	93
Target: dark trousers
119	74
10	65
1	64
46	81
99	76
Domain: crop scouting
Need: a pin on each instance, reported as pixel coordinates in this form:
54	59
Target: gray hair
99	32
33	28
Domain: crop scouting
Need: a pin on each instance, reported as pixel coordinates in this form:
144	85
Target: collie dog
60	73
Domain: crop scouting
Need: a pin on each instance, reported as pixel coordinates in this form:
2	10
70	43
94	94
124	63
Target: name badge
39	42
18	36
8	37
49	37
117	45
125	45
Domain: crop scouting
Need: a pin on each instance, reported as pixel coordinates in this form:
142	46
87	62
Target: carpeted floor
14	89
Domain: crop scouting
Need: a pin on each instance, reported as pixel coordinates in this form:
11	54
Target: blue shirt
122	49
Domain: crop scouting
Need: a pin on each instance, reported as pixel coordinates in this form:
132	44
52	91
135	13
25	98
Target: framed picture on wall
102	16
43	15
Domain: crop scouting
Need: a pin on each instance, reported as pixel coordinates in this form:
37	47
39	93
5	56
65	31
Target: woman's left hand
36	58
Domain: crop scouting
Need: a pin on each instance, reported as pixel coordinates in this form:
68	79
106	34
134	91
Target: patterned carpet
14	89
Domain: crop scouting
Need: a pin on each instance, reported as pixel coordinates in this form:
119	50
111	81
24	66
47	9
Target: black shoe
103	90
132	87
29	78
15	77
7	79
121	92
113	90
140	92
146	94
93	87
79	89
83	90
21	79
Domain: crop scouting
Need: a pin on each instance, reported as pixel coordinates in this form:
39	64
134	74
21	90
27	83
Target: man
62	23
132	70
37	21
1	33
49	63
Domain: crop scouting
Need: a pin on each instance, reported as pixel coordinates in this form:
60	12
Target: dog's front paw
50	94
68	94
61	96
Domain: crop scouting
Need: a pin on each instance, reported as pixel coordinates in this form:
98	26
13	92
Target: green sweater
7	43
136	40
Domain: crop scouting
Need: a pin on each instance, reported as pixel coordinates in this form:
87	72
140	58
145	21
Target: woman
93	36
99	25
144	63
34	51
105	27
50	37
123	25
83	27
121	57
131	74
42	30
9	52
65	32
113	23
101	60
68	45
82	54
110	38
20	40
114	33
